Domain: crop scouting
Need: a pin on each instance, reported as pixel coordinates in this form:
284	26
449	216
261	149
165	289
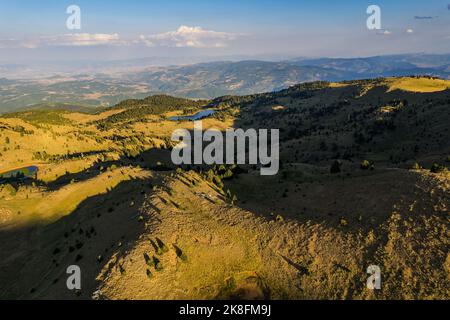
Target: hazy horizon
213	30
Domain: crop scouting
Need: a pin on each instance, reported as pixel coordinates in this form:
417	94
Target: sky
111	30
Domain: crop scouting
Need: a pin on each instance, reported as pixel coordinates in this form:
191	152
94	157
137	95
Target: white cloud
194	37
8	43
424	17
74	39
409	31
184	36
384	32
83	39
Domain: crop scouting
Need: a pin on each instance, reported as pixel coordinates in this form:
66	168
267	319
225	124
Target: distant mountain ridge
211	79
382	66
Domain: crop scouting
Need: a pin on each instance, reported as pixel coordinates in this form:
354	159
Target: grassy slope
420	85
329	227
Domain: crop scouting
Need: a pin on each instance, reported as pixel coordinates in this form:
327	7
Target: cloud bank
193	37
424	17
74	39
183	37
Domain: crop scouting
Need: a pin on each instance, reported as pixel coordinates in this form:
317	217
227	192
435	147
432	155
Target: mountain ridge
210	79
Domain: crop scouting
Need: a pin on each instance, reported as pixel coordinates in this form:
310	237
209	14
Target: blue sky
129	29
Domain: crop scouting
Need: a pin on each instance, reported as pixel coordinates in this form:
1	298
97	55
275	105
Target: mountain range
105	84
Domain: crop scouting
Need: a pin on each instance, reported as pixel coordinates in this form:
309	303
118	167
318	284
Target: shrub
161	245
218	181
365	165
335	167
437	168
148	261
10	189
157	264
157	249
416	166
179	253
121	269
228	174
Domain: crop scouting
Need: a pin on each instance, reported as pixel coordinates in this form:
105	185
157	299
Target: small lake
198	116
25	172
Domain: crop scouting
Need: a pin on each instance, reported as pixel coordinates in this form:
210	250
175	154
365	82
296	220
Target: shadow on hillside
33	259
299	193
152	159
352	200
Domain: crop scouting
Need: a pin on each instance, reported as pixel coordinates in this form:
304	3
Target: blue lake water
25	172
198	116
